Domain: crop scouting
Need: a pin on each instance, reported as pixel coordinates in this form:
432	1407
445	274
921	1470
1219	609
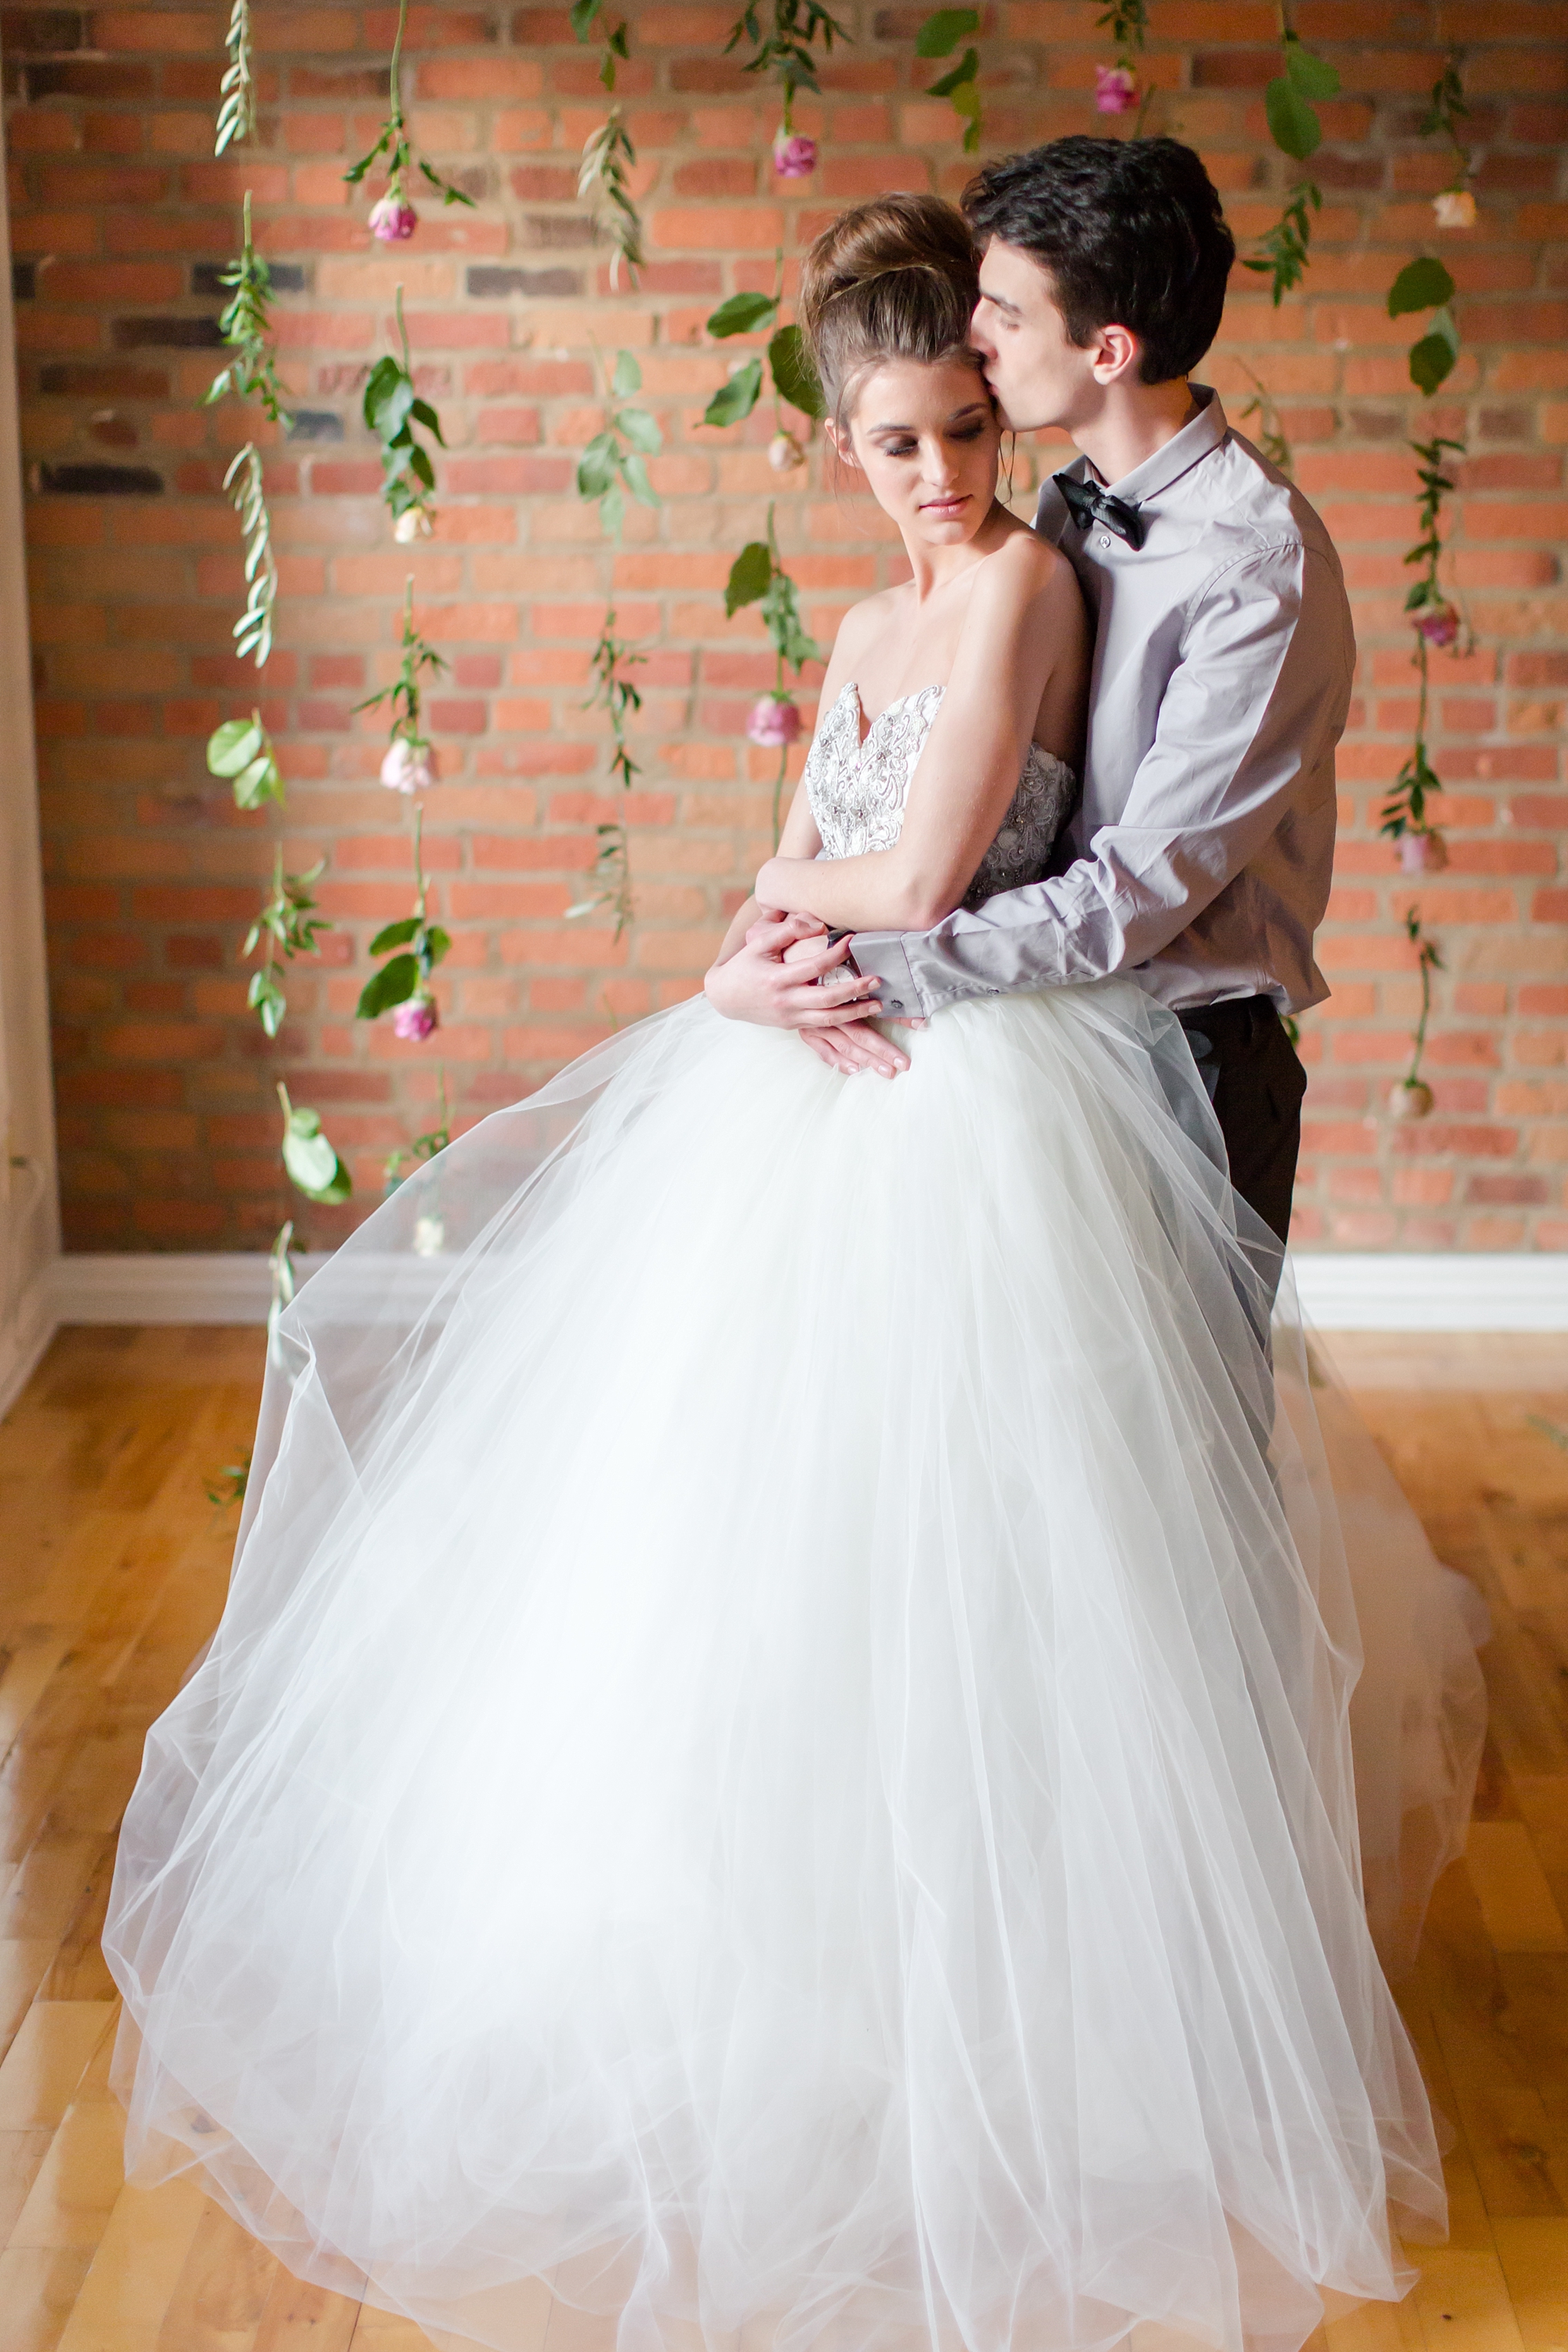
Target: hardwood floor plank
1512	1888
44	2067
127	2288
39	2289
1534	2258
299	2318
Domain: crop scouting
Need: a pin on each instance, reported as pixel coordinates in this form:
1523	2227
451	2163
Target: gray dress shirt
1199	859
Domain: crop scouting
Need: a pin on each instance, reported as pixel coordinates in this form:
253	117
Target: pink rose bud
1423	853
408	767
795	157
773	723
785	453
1410	1098
1455	209
1115	90
415	1019
393	218
1438	624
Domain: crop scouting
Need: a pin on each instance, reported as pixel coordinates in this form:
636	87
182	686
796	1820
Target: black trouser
1256	1085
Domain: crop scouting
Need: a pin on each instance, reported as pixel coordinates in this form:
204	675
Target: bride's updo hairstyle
897	278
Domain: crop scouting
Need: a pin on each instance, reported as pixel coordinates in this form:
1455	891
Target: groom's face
1038	375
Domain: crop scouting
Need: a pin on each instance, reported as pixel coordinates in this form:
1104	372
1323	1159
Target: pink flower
1423	853
415	1019
794	156
1115	90
408	767
773	723
393	218
1438	624
1455	209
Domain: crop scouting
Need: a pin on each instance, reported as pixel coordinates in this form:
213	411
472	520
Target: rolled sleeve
1246	726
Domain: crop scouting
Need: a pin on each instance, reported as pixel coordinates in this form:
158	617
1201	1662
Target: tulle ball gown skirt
775	1764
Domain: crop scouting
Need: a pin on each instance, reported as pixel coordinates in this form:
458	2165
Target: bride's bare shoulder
1025	566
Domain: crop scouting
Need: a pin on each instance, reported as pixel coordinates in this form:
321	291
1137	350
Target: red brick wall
167	1127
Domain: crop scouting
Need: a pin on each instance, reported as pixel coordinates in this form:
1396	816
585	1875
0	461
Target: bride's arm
1023	632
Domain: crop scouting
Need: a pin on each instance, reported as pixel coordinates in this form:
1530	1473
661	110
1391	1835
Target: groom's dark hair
1132	232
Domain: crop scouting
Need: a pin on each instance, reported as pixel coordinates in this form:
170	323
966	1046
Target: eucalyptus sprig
793	377
420	946
392	139
937	37
614	692
785	47
241	750
613	461
312	1163
236	91
248	494
392	410
608	156
289	925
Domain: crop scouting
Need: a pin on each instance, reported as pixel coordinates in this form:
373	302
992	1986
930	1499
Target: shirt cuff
880	954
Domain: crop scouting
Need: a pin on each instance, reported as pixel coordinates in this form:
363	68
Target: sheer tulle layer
773	1760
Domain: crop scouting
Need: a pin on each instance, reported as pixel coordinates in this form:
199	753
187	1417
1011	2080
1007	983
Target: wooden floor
112	1569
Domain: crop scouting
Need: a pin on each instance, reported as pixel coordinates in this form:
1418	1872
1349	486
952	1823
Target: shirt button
893	1005
1103	541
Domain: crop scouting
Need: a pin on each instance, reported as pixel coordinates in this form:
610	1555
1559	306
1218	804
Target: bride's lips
944	505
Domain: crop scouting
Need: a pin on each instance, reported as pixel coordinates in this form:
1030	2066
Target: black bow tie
1088	504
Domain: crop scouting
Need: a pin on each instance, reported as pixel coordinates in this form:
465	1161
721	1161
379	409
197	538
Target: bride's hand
846	1047
756	983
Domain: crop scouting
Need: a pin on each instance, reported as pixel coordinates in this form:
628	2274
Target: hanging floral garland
937	37
240	750
609	157
787	51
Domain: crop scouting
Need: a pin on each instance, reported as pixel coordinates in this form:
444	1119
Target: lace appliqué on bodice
858	790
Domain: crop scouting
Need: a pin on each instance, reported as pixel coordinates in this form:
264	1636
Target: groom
1199	860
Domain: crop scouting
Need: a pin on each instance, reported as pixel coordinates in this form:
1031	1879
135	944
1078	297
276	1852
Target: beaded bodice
857	789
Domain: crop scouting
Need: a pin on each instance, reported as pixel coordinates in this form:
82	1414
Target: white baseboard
1365	1292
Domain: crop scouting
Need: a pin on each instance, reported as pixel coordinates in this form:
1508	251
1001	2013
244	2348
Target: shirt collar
1176	456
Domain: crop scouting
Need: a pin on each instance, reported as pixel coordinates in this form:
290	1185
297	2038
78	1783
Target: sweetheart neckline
937	685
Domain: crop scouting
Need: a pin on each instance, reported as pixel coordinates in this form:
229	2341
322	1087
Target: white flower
412	523
1455	209
408	767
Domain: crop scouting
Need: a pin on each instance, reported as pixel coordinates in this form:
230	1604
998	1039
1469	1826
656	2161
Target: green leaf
419	464
742	314
1431	360
258	783
394	935
1292	124
639	429
394	982
234	745
751	575
1312	76
736	399
268	999
423	413
582	15
597	468
961	78
635	474
1421	285
311	1162
627	376
385	378
793	374
941	33
437	942
612	509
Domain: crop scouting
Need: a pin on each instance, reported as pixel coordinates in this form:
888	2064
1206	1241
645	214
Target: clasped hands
782	976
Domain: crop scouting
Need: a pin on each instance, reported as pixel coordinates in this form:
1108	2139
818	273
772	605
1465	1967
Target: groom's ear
1115	354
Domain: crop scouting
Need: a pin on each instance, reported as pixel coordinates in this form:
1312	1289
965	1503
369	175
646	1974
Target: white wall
29	1212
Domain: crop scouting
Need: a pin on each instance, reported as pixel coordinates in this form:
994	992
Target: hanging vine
413	946
393	218
1411	1097
236	91
758	577
786	50
937	37
609	157
613	462
246	325
1120	88
392	410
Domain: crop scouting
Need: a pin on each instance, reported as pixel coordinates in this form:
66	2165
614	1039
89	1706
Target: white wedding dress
776	1762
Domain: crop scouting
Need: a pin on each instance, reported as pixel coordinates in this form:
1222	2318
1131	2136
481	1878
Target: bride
775	1765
